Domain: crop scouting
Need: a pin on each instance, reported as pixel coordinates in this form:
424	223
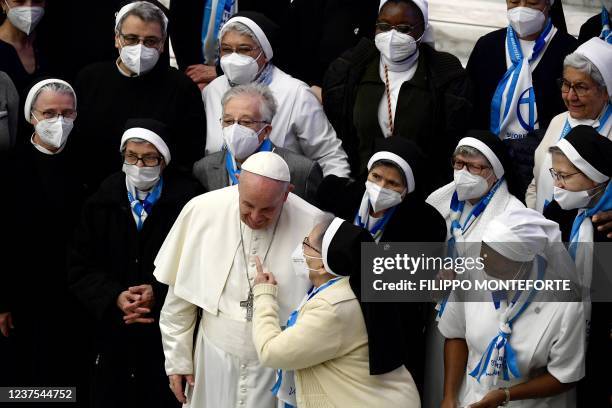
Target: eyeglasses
52	114
472	168
306	243
579	88
149	42
147	161
561	177
242	50
242	122
402	28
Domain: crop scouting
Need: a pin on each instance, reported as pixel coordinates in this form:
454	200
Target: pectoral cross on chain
249	306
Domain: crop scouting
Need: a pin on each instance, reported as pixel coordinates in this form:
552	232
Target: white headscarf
428	34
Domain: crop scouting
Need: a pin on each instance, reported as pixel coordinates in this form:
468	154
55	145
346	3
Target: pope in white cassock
208	261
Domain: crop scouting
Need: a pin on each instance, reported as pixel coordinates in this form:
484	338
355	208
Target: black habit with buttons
108	256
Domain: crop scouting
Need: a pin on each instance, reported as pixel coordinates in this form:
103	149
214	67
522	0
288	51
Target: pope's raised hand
262	276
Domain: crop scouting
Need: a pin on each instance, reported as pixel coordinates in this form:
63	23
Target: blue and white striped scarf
142	209
513	108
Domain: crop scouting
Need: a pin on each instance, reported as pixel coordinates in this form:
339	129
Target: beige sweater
328	349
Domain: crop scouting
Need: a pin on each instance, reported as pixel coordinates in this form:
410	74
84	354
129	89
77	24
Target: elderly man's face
261	199
242	44
135	30
585	99
245	110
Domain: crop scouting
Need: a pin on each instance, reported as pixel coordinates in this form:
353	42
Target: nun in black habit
582	170
390	201
390	204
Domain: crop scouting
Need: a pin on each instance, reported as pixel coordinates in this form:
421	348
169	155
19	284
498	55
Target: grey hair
267	106
147	12
581	63
241	29
322	224
55	87
470	151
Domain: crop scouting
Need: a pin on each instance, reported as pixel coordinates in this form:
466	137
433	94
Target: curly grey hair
148	13
267	107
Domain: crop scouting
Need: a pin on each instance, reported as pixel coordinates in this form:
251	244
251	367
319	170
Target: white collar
588	122
121	71
44	150
402	66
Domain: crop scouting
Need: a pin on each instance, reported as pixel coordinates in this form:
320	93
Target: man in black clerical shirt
136	84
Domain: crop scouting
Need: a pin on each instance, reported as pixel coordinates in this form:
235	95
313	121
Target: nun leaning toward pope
323	355
519	348
586	89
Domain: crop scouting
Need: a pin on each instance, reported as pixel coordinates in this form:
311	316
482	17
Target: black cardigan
487	65
433	108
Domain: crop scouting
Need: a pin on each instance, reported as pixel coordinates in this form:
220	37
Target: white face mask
526	21
143	178
469	186
570	200
382	198
25	19
395	46
138	58
241	140
54	132
298	260
240	69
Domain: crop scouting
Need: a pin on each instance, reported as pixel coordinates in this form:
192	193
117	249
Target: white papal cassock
203	264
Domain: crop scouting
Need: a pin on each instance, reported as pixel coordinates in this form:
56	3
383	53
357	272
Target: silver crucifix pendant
249	306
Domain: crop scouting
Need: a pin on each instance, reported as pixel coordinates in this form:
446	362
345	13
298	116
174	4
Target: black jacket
107	99
433	108
487	66
109	255
413	221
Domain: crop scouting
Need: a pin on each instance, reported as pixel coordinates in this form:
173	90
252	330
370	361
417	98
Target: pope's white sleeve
566	357
316	136
177	322
452	322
